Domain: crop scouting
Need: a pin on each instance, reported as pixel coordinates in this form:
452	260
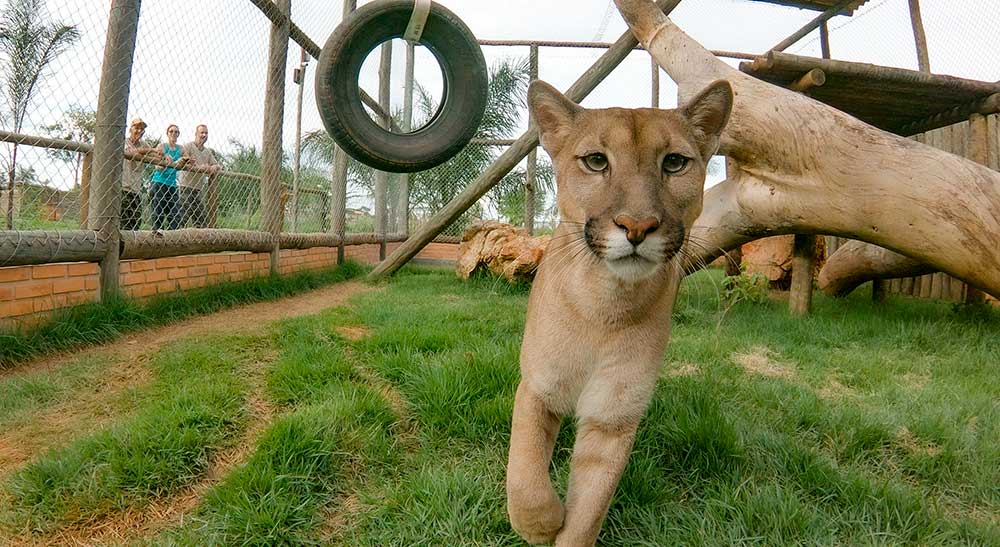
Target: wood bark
112	105
271	202
857	262
805	167
23	247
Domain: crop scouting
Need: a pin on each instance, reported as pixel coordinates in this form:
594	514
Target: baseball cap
137	121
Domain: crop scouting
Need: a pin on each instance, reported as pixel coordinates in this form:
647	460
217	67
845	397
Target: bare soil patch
763	361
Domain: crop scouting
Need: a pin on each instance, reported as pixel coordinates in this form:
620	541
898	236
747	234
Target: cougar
629	187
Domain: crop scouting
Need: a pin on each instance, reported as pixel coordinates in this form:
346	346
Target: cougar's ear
707	115
552	112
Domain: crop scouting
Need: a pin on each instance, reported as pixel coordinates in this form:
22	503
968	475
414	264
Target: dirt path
249	319
129	370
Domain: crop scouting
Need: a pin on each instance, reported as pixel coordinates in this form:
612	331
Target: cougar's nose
636	230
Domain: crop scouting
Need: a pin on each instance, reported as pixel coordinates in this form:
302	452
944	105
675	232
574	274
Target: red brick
222	259
197	271
197	281
42	304
155	276
147	290
215	269
237	258
183	284
19	307
133	279
15	273
232	268
143	265
204	260
85	268
166	286
178	273
93	284
74	298
186	261
48	271
6	292
165	263
72	284
33	289
246	266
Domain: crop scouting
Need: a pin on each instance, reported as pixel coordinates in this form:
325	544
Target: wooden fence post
212	201
112	106
86	168
803	263
531	170
403	207
338	182
271	202
381	177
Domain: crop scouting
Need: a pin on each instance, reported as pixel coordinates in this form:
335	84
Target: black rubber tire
339	98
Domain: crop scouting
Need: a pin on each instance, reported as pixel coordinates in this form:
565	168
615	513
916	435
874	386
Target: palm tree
30	44
78	124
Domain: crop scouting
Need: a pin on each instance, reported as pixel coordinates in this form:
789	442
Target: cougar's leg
535	511
599	457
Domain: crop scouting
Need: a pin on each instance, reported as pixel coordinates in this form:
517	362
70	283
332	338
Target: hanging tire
338	96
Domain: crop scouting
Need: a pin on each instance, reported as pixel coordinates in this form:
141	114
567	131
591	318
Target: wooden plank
906	286
925	285
936	286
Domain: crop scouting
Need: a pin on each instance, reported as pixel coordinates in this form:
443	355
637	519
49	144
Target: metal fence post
270	157
112	107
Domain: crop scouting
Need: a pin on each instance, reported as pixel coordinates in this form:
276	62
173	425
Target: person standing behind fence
192	182
132	170
166	213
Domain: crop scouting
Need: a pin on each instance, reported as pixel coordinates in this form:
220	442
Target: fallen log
804	167
857	262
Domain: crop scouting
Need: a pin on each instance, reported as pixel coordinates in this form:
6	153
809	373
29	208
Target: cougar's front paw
536	515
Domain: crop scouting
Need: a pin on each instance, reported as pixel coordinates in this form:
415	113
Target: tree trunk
805	167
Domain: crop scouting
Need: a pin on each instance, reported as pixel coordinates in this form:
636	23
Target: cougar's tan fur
599	311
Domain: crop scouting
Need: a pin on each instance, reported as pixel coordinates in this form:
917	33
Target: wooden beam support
812	25
919	38
271	203
813	78
112	107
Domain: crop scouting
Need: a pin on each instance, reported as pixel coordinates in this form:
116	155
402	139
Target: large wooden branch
805	167
857	262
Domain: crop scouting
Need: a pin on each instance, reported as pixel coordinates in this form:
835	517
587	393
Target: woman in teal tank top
165	207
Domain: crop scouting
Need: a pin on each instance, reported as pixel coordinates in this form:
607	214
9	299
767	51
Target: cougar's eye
675	163
595	162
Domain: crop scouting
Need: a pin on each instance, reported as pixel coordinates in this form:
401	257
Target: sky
200	61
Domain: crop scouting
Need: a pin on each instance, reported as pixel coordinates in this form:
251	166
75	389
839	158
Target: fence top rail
598	45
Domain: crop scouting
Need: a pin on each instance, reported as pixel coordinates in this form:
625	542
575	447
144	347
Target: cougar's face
631	181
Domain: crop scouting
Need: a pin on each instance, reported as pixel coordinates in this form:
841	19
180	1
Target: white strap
417	20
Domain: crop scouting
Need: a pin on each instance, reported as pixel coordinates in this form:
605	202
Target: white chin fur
632	268
622	261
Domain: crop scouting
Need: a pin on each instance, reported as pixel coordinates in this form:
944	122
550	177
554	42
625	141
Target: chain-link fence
204	81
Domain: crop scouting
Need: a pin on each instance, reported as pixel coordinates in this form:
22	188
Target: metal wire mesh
207	66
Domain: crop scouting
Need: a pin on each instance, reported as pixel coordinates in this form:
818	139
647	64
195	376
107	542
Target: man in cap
132	171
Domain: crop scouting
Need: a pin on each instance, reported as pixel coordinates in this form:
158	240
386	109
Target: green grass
195	407
96	323
859	424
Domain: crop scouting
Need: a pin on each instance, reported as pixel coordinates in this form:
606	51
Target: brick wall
29	294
